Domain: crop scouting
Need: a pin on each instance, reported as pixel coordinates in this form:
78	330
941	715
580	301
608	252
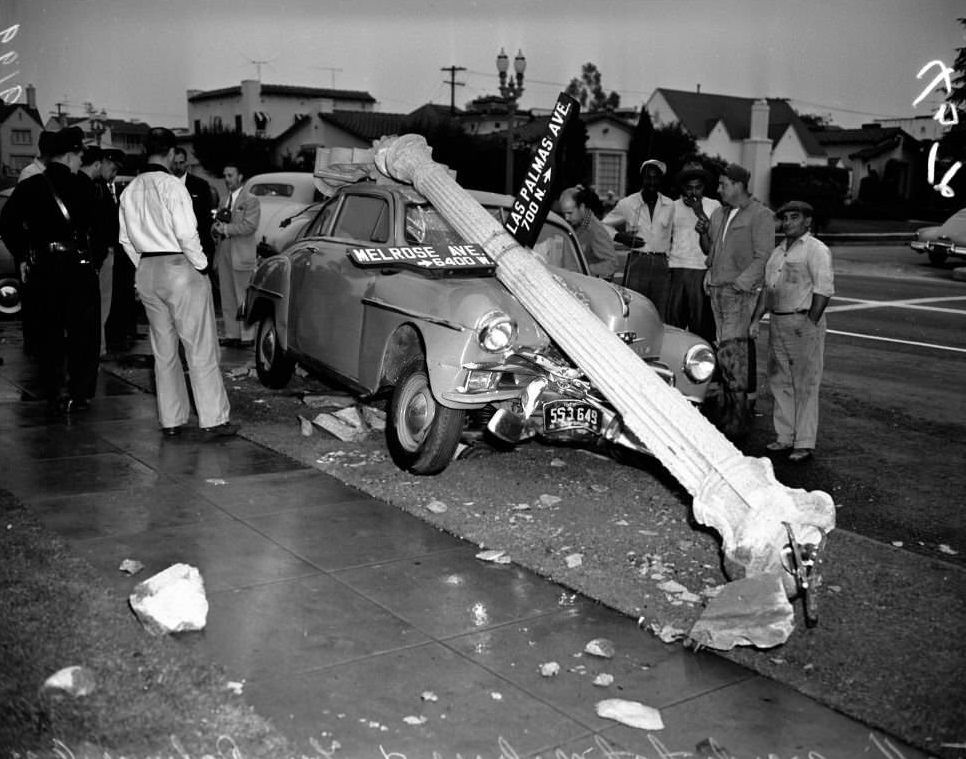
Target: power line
453	84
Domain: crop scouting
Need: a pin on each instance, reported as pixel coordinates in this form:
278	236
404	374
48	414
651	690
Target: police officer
46	224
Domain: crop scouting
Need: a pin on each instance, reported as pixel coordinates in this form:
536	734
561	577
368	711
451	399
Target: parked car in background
948	239
278	193
378	291
10	284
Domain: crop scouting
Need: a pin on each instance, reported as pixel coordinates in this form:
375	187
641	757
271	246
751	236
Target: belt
157	253
646	253
791	313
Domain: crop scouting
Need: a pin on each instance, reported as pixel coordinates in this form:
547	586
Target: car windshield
275	189
426	226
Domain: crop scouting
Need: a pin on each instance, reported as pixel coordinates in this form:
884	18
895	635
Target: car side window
555	247
363	217
321	221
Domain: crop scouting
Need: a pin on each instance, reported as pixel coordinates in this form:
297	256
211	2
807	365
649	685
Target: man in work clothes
739	240
643	223
235	256
47	225
798	286
158	233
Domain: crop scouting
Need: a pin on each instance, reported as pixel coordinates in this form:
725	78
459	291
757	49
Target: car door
328	289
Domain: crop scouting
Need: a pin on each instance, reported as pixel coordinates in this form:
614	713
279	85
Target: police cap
68	140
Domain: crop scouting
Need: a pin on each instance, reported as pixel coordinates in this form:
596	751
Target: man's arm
602	247
819	264
185	226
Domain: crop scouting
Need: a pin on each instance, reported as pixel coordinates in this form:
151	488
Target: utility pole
258	66
453	84
61	113
332	70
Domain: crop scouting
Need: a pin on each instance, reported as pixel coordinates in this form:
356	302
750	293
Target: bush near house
824	187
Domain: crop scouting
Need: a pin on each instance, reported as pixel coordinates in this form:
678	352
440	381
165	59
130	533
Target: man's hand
702	225
754	328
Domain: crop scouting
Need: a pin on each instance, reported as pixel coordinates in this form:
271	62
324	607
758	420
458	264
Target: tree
215	147
670	143
958	95
816	121
587	90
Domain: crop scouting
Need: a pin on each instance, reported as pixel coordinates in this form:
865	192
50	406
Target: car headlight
699	363
496	332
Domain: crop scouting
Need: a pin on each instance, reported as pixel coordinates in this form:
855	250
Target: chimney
251	101
759	120
756	151
31	96
699	88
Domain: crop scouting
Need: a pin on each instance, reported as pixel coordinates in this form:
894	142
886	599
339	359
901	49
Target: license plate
570	415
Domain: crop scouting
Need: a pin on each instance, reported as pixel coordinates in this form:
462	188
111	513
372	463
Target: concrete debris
305	426
546	501
753	611
496	696
338	428
327	401
521	507
75	681
437	507
943	548
671	587
667	633
600	647
351	416
428	695
599	488
171	601
630	713
574	560
411	720
603	680
709	748
567	599
550	669
238	372
494	556
300	372
558	463
374	418
235	686
622	523
215	481
898	543
688	597
131	566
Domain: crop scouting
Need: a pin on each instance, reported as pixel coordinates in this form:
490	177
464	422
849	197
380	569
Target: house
923	128
608	143
347	129
268	110
756	133
20	128
874	154
123	135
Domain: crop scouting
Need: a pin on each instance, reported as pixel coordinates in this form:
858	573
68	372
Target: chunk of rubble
327	401
668	633
237	372
131	566
339	428
601	647
753	611
75	681
494	556
171	601
558	463
604	680
351	416
437	507
306	427
630	713
671	587
413	720
549	669
374	418
574	560
546	500
428	695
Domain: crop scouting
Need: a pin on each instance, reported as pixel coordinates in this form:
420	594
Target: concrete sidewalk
345	616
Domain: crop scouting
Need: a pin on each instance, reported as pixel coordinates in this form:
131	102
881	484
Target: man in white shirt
642	222
688	305
159	234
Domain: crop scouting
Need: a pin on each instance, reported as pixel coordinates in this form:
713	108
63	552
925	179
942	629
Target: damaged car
947	240
381	294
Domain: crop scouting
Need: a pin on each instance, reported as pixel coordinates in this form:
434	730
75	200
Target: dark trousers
121	324
688	307
67	315
647	274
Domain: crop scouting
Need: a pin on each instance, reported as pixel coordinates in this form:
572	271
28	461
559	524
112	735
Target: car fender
269	288
674	348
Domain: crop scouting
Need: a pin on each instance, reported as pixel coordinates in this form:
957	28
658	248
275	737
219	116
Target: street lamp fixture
98	126
511	90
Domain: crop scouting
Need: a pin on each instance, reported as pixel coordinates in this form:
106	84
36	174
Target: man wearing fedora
642	222
687	303
798	286
739	239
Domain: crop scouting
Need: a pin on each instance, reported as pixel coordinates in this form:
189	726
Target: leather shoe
171	431
226	429
799	455
778	446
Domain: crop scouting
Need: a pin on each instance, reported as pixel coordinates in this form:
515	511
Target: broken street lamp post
736	495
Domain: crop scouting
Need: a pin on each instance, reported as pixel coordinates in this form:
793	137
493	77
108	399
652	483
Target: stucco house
887	155
20	128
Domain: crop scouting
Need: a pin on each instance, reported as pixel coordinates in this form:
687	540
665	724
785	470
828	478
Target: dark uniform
62	276
120	329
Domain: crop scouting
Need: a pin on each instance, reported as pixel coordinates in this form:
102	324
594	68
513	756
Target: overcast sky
855	59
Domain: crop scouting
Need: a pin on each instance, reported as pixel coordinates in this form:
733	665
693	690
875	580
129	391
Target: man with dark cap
159	234
739	239
798	286
687	303
47	226
39	163
643	223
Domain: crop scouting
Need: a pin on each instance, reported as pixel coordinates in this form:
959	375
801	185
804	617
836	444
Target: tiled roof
863	136
366	125
700	111
287	90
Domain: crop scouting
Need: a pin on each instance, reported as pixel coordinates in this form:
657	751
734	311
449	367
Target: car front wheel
421	434
274	368
9	296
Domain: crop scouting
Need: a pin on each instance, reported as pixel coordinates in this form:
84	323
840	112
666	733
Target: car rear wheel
9	296
274	368
937	257
421	434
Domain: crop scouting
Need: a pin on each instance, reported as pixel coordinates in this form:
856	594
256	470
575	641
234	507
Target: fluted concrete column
737	496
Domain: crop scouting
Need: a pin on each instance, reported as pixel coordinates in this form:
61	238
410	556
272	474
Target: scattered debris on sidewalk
235	686
494	556
943	548
305	426
753	611
171	601
428	695
131	566
437	507
604	680
630	713
549	669
75	681
601	647
327	401
574	560
412	720
215	481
